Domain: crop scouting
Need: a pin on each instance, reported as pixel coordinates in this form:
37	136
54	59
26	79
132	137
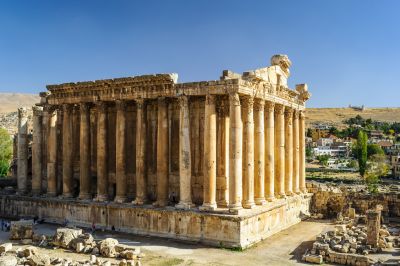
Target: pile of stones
347	245
72	239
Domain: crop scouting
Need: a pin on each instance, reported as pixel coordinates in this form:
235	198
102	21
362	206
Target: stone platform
216	229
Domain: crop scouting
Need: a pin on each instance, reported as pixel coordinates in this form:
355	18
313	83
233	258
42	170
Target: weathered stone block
5	247
64	236
21	230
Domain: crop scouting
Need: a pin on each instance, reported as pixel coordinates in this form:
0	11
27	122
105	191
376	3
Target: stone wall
329	199
216	229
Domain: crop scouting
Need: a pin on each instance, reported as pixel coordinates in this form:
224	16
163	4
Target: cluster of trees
372	163
5	152
369	124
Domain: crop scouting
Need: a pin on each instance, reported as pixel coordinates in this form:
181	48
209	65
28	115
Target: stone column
373	226
269	151
120	153
162	153
37	153
52	153
302	153
67	144
210	155
289	151
141	184
102	158
235	153
296	154
84	134
22	166
248	153
222	108
280	150
259	153
185	166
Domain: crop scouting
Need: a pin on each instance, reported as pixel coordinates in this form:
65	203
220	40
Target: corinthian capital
183	101
270	106
120	104
279	109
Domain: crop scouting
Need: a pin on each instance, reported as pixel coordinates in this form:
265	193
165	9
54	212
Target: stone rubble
68	238
22	229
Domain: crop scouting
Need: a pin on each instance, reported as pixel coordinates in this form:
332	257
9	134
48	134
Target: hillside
9	102
335	116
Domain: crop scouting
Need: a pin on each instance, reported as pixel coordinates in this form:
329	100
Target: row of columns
266	152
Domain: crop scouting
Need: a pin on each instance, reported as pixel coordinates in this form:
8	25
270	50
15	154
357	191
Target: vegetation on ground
5	152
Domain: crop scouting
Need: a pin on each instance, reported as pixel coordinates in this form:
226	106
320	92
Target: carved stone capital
22	112
270	106
279	109
50	109
120	105
37	110
289	116
84	107
183	101
296	114
302	115
67	108
210	99
234	99
140	102
101	106
259	105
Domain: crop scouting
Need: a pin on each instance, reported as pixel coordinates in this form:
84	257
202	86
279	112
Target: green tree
373	149
5	152
362	152
377	167
323	159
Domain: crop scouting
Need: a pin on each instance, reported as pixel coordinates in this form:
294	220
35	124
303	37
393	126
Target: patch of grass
170	262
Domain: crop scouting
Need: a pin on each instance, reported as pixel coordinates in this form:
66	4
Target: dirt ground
284	248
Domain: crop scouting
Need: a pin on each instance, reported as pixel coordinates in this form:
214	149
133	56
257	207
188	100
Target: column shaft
141	184
259	153
162	153
248	153
52	152
185	166
22	166
269	151
67	144
120	152
102	159
235	153
280	150
296	154
302	153
84	134
37	153
222	109
210	155
289	151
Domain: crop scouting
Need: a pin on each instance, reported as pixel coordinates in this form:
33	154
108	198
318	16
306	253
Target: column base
235	208
222	204
84	196
282	195
184	205
139	202
160	203
36	192
249	205
289	193
51	194
297	192
260	201
208	207
270	199
101	198
67	195
120	199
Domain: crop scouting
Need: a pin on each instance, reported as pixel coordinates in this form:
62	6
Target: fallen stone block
21	230
8	261
64	236
107	247
316	259
5	247
38	260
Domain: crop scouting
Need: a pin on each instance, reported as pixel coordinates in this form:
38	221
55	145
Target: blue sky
347	51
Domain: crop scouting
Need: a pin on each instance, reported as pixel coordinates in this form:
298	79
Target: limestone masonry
227	157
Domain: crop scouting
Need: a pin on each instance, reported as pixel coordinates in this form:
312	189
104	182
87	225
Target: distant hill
9	102
335	116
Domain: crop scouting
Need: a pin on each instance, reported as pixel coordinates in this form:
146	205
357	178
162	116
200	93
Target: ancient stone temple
221	162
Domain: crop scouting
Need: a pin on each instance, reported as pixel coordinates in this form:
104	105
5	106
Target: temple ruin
220	162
